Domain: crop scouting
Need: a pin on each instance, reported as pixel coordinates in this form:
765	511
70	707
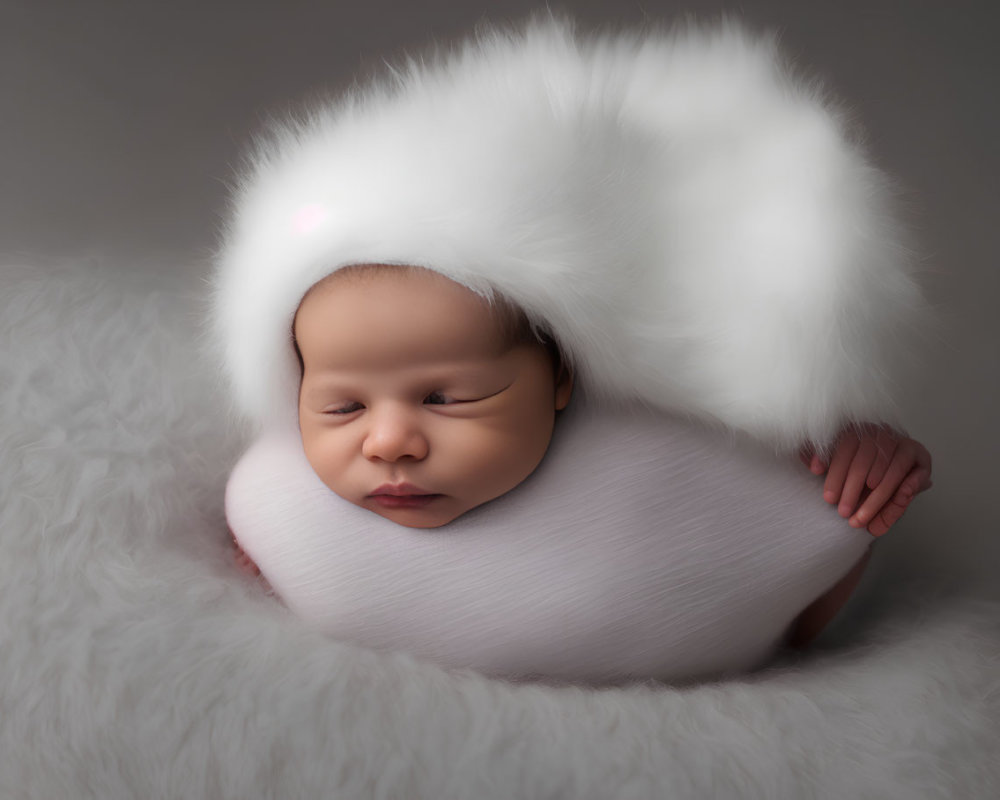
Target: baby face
413	402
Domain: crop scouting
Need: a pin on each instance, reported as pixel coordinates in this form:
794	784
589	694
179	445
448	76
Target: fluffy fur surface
692	222
135	662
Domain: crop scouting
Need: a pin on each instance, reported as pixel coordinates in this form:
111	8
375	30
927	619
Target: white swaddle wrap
642	547
699	234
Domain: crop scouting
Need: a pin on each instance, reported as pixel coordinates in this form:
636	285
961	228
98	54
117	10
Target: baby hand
875	466
245	564
242	561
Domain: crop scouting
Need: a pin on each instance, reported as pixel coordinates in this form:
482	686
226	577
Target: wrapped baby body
695	234
642	547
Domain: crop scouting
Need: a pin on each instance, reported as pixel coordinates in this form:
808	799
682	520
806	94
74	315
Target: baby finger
887	517
840	464
886	442
856	477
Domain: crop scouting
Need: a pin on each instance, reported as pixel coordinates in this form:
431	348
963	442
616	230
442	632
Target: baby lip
400	490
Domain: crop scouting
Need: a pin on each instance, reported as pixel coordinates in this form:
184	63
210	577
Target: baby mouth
402	495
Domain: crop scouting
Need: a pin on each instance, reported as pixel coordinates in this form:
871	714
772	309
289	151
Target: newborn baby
417	277
421	400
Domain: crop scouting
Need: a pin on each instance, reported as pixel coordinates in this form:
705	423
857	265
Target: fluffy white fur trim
692	223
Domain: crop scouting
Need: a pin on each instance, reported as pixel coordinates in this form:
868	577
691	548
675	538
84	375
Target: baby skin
420	400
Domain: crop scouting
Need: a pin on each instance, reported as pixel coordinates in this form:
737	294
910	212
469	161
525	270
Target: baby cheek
326	453
503	457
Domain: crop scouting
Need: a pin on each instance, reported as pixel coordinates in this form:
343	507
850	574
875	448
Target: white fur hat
692	224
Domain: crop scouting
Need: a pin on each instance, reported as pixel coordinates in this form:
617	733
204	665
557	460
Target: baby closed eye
471	396
346	408
433	399
441	399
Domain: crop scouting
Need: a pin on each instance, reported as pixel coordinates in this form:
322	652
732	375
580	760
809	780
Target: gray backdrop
122	123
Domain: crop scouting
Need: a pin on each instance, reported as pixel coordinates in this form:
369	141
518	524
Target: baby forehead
381	290
375	275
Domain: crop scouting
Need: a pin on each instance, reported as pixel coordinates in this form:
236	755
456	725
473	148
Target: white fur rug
136	663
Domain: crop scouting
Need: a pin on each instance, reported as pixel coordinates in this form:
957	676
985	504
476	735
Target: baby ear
564	387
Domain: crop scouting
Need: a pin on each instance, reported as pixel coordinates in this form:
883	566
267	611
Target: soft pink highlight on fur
309	218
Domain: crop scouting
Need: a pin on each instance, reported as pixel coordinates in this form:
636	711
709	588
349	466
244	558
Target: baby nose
394	434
